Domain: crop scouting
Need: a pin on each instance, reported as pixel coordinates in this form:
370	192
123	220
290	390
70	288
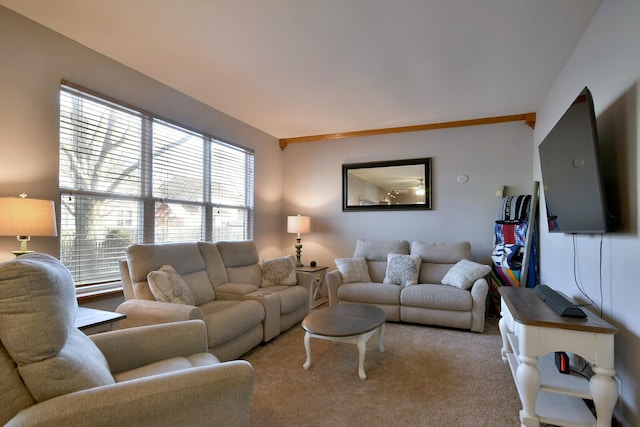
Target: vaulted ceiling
303	67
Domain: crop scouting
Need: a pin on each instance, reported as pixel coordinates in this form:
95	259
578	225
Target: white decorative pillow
353	269
279	271
402	270
168	286
464	273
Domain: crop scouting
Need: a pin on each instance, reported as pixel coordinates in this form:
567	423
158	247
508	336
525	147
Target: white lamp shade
298	224
27	217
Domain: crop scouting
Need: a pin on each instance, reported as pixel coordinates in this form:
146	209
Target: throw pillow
402	270
353	269
167	285
464	273
279	271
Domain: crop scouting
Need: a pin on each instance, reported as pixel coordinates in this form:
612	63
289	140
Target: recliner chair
52	374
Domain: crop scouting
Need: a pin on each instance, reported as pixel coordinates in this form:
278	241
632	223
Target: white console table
531	334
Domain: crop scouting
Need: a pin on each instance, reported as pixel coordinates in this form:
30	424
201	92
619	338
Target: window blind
128	176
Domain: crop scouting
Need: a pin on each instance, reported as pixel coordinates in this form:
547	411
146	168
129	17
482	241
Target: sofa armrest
333	280
195	397
144	312
479	292
271	303
127	349
304	279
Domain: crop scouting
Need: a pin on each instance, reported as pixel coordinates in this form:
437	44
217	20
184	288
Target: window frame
150	202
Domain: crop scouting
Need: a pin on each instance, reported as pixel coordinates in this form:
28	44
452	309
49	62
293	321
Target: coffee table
350	323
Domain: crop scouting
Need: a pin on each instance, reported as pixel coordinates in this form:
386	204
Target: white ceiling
304	67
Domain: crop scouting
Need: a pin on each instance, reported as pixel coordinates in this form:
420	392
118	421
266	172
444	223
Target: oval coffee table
350	323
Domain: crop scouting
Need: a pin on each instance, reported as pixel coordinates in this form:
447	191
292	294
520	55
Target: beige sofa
51	374
458	304
228	285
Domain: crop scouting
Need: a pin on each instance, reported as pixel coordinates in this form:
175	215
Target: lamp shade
27	217
298	224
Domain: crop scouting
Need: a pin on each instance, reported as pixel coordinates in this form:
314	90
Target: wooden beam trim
528	118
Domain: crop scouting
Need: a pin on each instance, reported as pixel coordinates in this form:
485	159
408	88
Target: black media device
558	303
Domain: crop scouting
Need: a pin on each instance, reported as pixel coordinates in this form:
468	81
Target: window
128	176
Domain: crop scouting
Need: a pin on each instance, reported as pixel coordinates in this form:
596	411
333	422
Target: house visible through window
129	176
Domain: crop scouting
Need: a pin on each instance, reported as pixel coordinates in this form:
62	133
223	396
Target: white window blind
128	176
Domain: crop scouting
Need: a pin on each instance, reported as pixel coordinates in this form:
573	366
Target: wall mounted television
572	178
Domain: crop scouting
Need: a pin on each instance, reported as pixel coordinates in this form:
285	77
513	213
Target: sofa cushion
402	269
353	269
436	297
238	253
464	273
377	250
234	289
168	286
441	252
370	293
37	313
78	365
186	259
292	298
438	258
279	271
14	395
227	320
214	263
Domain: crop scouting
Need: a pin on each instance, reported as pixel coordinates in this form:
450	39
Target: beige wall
607	61
491	156
35	59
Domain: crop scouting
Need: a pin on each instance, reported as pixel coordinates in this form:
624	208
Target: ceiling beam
528	118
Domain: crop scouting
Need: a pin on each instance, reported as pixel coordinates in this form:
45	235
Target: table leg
307	347
362	349
604	391
528	377
506	348
380	337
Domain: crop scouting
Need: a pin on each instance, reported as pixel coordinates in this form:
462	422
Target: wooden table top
90	317
344	320
527	308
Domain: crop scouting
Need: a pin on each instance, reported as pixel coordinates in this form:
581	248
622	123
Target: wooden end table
316	295
350	323
531	333
90	317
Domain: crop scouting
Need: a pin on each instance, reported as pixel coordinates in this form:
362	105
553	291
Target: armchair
52	374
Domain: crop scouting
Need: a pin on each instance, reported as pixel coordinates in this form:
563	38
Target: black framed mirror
387	185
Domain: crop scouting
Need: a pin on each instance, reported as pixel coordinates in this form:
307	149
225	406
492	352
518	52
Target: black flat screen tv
572	178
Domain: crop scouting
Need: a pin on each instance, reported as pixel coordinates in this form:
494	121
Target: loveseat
433	283
242	301
51	374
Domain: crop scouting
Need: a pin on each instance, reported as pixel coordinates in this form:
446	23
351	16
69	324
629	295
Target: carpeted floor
426	377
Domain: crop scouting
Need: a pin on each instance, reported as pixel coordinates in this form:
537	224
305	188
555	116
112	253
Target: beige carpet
426	377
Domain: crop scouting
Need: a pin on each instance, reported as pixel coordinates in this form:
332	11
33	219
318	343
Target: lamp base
18	253
298	246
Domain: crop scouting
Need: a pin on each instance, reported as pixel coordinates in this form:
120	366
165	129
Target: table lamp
24	218
298	224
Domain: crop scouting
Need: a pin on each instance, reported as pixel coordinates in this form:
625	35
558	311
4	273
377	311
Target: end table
88	318
317	294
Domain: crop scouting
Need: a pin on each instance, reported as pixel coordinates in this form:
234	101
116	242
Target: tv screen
571	174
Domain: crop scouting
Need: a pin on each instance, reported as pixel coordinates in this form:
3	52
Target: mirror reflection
388	185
